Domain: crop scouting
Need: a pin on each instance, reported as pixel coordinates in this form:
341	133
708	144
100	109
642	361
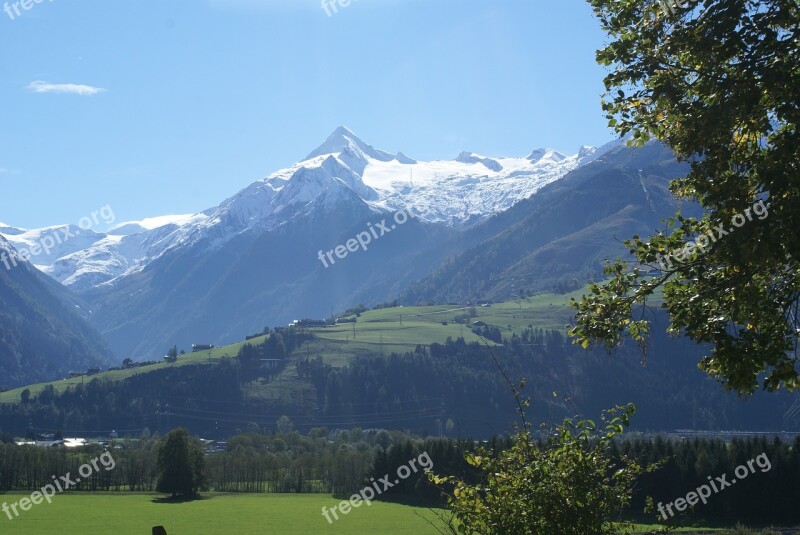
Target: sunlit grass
218	514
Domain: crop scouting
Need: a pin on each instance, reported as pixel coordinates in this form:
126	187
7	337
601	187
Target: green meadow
401	329
387	330
216	514
220	514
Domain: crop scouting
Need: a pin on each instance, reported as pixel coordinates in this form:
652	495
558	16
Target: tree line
452	389
342	462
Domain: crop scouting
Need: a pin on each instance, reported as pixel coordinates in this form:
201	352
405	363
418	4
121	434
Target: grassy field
217	514
13	396
384	331
401	329
220	514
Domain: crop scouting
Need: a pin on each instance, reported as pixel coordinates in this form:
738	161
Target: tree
250	358
569	485
47	395
25	396
274	347
718	81
172	355
181	465
284	425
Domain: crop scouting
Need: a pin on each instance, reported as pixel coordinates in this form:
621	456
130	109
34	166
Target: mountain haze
42	334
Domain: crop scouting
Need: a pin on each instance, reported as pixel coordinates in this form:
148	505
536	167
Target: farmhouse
312	323
202	347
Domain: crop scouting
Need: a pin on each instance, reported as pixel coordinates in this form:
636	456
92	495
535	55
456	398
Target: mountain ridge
455	193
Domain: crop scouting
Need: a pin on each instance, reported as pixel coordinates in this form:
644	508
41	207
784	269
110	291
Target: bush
569	485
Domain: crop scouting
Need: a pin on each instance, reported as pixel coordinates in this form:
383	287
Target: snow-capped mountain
82	258
8	229
5	247
151	223
59	241
344	168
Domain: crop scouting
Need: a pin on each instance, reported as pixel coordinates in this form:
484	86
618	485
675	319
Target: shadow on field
171	500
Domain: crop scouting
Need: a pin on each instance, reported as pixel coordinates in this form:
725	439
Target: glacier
457	193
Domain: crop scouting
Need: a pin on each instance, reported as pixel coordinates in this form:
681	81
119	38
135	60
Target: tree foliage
570	484
718	81
181	465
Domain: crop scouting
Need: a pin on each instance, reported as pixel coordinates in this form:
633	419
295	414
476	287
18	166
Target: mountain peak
342	136
344	140
342	130
471	157
586	150
341	139
540	154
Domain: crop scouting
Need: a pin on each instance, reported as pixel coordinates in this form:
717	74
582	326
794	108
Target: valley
454	268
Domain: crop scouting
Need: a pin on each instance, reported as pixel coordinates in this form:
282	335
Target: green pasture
388	330
217	514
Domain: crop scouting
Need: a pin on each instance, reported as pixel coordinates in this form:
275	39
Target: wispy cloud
73	89
7	171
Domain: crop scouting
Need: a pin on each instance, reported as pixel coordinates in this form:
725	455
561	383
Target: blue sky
202	97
